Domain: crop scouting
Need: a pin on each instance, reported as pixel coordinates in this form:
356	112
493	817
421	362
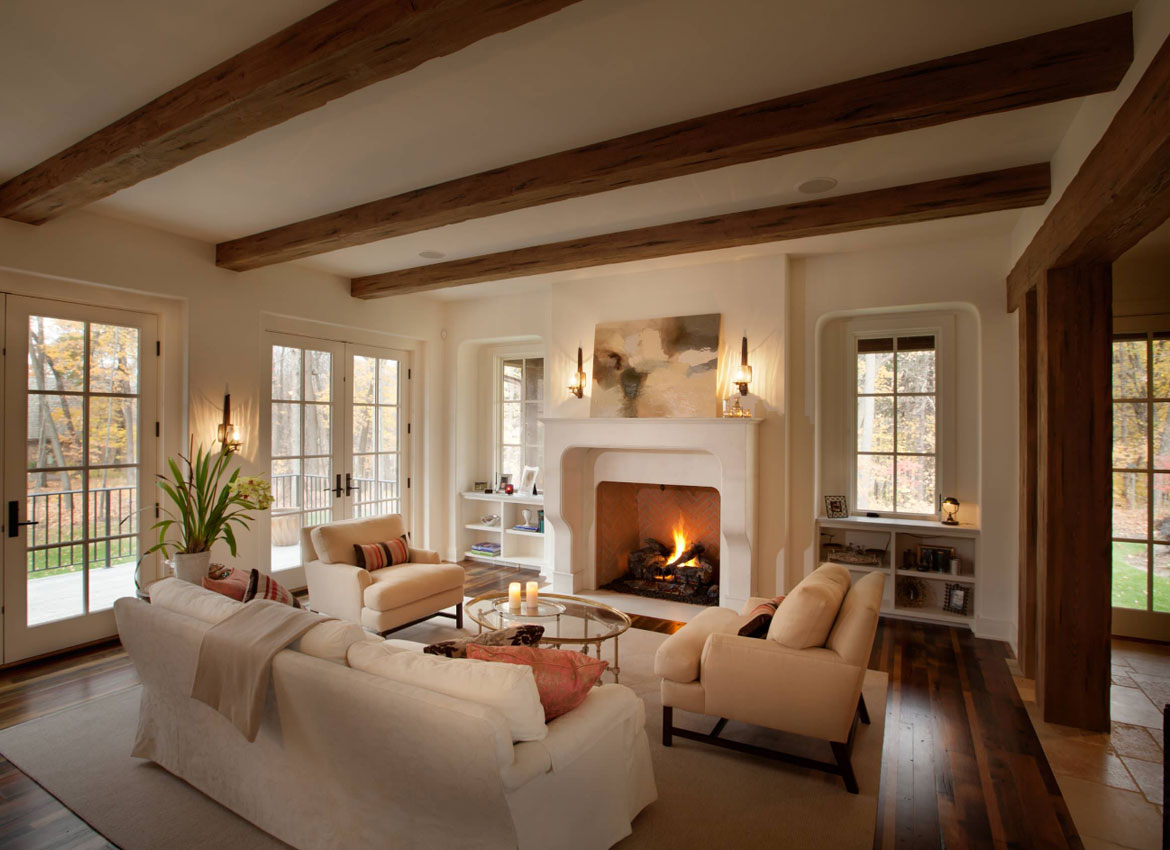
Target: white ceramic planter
192	567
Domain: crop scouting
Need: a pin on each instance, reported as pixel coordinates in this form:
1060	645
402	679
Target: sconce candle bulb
577	384
743	375
229	434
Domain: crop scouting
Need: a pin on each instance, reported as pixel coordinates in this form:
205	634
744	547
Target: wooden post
1074	425
1026	636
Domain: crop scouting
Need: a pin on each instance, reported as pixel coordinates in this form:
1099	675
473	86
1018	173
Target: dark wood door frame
1063	284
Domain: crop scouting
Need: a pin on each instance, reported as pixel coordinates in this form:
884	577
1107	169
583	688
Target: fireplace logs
686	577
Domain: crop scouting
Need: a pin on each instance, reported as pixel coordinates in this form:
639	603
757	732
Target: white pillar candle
533	594
514	596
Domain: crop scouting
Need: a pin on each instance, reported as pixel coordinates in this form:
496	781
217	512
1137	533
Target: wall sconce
577	382
229	434
743	375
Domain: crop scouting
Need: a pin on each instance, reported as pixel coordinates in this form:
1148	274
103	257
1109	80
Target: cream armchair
812	690
380	600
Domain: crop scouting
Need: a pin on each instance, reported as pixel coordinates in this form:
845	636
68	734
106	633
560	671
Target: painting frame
527	485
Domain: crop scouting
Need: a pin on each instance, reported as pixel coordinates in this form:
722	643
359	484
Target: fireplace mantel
572	448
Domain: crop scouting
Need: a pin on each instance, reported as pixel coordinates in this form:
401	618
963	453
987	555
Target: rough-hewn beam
341	48
1073	563
1071	62
1120	194
1010	188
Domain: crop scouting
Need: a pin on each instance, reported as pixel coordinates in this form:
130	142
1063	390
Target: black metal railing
58	539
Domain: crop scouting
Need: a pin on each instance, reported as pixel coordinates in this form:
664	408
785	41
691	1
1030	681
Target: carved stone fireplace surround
719	453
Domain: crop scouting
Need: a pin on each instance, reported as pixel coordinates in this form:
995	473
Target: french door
79	390
337	431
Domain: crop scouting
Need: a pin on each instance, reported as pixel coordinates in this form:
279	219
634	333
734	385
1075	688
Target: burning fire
680	545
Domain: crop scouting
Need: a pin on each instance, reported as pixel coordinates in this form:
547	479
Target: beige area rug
707	798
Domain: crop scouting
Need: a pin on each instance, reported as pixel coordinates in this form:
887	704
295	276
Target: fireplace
659	540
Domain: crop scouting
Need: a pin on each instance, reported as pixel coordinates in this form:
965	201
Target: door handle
336	489
14	522
350	487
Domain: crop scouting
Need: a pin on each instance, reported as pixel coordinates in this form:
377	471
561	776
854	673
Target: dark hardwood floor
961	766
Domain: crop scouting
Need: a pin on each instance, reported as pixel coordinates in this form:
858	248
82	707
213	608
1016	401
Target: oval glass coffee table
567	620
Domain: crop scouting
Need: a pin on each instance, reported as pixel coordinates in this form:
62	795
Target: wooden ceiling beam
1071	62
343	47
1010	188
1120	194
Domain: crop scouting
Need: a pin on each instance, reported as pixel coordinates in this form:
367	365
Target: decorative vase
191	567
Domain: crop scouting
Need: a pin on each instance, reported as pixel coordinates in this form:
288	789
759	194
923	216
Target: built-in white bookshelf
897	544
518	547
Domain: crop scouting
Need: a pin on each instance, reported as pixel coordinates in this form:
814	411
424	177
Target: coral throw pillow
261	586
563	677
375	556
229	581
760	618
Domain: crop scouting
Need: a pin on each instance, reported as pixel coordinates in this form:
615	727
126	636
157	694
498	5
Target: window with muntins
896	447
1141	471
521	433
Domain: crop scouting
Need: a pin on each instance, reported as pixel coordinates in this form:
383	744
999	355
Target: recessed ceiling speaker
816	185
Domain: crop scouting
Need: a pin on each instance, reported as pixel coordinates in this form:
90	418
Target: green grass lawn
1129	581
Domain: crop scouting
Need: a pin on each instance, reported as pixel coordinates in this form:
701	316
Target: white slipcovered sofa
352	759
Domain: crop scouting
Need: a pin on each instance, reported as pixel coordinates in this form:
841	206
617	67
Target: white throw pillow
805	617
508	688
330	640
183	597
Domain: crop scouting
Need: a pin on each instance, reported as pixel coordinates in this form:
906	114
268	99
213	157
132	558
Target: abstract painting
656	368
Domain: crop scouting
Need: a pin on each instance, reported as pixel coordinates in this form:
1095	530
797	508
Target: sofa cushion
183	597
523	635
376	556
334	541
394	587
563	677
229	581
508	688
805	617
331	640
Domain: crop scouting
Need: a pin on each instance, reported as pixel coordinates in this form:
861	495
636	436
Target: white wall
967	273
213	322
750	294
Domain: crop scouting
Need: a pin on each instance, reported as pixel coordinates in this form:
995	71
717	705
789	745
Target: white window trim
499	355
942	327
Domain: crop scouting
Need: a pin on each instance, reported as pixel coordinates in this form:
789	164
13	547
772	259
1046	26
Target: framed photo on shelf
480	486
836	507
957	599
528	481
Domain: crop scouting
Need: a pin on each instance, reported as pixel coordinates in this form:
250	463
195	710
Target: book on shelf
540	521
486	548
534	528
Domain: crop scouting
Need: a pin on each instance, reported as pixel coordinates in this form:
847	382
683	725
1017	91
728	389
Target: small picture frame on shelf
480	487
957	599
935	559
836	507
528	481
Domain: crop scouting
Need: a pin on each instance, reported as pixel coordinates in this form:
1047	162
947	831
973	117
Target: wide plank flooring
962	766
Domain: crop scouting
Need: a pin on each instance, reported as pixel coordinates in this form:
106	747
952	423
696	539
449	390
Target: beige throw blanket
235	659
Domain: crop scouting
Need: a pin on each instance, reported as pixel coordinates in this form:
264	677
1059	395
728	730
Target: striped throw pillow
760	618
375	556
261	586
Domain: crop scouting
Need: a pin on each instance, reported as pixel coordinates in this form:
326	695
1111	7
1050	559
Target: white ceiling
595	70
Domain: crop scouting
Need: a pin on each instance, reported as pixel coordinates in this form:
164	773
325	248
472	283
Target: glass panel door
1141	485
303	439
77	461
378	424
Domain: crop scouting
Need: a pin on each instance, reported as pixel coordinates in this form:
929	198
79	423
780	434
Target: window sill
899	523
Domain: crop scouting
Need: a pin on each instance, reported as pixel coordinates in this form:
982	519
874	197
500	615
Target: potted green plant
203	509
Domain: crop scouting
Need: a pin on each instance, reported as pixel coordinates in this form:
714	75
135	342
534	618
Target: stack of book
486	548
534	528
